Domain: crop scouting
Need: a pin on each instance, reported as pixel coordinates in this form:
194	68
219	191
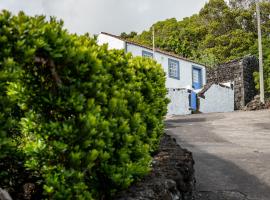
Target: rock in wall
250	65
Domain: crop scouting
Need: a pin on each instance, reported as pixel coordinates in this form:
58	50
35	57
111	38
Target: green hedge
90	117
266	66
11	158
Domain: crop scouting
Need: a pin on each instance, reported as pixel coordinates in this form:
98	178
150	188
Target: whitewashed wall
217	99
113	43
179	104
185	67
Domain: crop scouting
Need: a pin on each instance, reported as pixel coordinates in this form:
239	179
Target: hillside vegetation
220	32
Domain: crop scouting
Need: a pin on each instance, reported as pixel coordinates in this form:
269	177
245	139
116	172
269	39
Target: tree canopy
220	32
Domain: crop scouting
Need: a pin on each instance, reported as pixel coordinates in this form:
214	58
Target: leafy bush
91	117
10	157
266	66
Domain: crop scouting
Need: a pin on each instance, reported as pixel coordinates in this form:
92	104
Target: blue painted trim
178	68
147	54
201	74
193	100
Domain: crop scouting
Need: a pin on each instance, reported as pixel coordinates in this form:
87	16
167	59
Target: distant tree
130	35
222	31
241	3
244	3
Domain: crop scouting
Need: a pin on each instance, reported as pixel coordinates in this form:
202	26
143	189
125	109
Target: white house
185	79
181	72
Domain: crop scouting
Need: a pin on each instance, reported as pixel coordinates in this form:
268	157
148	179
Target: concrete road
231	153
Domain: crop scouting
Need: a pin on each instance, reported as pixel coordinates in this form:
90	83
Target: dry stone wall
240	73
172	176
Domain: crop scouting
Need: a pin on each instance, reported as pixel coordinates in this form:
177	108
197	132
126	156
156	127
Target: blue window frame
173	69
147	54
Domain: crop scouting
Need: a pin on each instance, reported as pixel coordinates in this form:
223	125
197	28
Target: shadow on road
186	120
219	179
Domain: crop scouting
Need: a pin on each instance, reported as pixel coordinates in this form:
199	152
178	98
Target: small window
147	54
173	69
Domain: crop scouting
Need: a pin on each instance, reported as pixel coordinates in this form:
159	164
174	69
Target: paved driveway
231	153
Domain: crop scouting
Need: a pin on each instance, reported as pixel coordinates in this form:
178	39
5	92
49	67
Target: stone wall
171	178
240	73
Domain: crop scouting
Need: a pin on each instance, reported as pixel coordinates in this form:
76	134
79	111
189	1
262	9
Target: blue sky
114	16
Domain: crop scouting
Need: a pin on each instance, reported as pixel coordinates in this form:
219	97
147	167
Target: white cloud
113	16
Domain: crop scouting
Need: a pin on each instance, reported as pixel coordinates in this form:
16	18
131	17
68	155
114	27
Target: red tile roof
156	49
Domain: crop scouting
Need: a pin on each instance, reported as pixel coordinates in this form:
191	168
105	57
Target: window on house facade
147	54
173	69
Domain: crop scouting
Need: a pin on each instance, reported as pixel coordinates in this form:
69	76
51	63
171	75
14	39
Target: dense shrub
10	158
91	117
266	66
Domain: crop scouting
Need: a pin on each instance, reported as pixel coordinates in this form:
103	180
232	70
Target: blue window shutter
147	54
173	69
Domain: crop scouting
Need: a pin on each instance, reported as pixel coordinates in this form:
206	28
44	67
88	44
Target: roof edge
156	49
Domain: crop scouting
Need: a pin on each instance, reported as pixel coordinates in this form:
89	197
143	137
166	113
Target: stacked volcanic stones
256	104
171	178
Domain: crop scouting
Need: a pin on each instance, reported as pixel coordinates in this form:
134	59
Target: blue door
196	84
193	100
196	78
